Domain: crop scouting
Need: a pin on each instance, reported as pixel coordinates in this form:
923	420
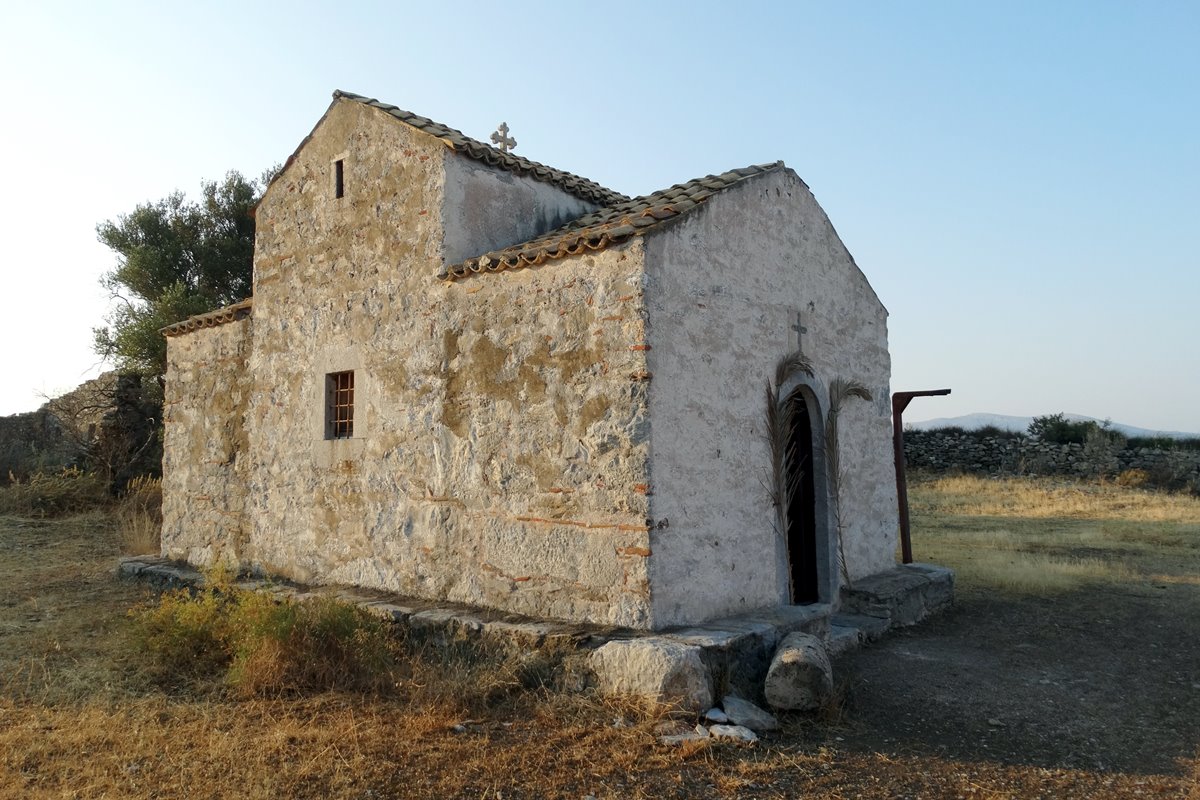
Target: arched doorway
802	481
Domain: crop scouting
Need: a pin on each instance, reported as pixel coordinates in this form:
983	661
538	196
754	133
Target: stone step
903	596
843	639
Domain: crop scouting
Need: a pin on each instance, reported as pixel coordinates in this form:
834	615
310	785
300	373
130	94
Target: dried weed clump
139	516
475	678
262	646
53	494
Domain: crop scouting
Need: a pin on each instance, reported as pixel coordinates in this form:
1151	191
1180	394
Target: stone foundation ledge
442	620
895	598
685	666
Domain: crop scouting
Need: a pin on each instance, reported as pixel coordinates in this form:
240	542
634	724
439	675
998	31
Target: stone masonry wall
59	434
945	450
500	445
723	289
204	444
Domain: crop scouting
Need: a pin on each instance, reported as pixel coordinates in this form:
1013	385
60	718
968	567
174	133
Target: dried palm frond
789	365
779	432
779	426
779	429
839	391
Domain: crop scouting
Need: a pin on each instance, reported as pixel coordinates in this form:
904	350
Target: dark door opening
801	504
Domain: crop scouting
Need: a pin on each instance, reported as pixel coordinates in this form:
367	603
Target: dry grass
138	515
1035	573
53	494
1043	536
82	716
329	745
339	746
1047	498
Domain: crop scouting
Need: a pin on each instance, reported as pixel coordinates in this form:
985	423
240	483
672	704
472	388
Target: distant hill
971	422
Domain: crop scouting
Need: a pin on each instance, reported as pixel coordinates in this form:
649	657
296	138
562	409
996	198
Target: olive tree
175	258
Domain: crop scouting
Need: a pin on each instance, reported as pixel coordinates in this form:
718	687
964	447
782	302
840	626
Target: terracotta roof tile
607	226
210	319
456	140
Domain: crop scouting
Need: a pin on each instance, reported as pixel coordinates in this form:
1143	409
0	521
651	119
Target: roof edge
210	319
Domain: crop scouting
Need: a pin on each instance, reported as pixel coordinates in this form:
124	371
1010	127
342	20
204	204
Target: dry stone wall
1017	455
32	441
61	433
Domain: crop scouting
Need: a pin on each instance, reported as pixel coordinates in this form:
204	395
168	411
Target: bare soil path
1102	679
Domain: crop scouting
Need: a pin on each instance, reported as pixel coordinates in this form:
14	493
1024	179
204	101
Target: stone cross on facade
800	330
502	140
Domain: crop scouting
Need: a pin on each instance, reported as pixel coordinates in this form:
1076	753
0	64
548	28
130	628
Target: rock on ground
744	713
716	715
737	733
660	671
800	677
697	734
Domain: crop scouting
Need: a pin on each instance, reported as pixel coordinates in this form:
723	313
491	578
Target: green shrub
186	636
53	494
950	430
1056	428
994	432
259	645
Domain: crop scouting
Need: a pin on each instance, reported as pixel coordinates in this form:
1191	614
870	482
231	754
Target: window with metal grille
339	405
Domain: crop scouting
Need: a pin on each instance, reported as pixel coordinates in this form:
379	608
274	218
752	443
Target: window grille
339	405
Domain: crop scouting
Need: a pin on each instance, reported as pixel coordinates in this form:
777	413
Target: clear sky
1019	181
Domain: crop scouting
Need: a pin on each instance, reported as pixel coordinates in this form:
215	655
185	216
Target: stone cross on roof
502	140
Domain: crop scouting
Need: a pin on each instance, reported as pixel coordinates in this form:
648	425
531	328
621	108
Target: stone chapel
467	376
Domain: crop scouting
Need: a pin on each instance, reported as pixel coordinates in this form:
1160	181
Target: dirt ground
1091	693
1104	681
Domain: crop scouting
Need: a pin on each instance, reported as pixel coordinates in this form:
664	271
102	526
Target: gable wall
499	435
204	443
723	286
489	209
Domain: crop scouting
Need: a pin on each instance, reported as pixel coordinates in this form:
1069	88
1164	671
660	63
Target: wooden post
900	401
